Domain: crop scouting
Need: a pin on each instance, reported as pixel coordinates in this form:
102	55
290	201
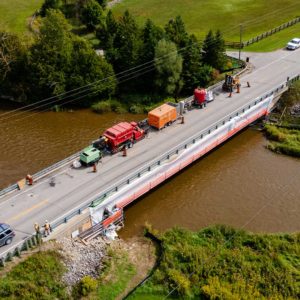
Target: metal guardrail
15	250
41	173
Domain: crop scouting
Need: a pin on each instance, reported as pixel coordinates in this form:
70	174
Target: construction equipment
90	156
123	135
230	83
200	97
162	116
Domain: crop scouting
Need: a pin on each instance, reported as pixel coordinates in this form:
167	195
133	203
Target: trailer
162	116
90	155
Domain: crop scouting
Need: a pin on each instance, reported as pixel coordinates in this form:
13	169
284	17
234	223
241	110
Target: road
74	187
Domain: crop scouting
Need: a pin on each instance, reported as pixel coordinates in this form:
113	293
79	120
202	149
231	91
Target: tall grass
220	262
283	140
38	277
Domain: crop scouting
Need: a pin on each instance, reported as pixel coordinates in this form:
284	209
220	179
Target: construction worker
37	228
29	179
47	228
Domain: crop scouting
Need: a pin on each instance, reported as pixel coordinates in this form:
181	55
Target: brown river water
240	184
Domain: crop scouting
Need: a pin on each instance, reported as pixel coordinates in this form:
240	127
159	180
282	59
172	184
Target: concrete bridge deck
75	187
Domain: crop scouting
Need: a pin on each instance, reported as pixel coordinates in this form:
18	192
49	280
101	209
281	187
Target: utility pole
240	48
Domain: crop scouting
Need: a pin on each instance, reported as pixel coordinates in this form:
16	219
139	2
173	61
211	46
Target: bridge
80	193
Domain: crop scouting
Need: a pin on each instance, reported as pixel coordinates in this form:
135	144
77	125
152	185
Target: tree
50	4
60	61
175	31
168	64
214	50
12	57
91	14
103	3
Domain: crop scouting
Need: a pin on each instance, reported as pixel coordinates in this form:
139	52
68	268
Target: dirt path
141	252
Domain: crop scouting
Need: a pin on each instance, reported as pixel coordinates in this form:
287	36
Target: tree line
155	62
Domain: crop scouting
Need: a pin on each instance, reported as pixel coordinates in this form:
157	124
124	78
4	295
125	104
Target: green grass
37	277
283	140
223	263
275	41
14	14
257	16
116	276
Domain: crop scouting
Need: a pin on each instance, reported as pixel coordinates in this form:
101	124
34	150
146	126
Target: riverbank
215	262
68	269
283	127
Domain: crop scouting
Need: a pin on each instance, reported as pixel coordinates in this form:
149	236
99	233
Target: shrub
87	285
102	107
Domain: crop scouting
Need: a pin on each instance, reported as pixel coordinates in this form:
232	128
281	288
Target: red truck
123	135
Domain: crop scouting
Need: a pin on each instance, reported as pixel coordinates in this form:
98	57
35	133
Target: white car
293	44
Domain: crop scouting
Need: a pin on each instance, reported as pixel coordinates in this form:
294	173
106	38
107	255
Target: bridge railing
97	200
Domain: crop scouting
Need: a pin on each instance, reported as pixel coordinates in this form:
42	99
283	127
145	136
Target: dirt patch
141	253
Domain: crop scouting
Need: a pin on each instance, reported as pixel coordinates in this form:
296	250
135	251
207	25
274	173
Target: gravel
295	110
81	260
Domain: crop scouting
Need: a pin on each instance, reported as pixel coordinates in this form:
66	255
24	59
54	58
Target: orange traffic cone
94	168
238	88
124	152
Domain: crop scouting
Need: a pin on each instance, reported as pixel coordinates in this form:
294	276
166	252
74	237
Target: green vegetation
15	14
223	263
284	132
37	277
116	275
199	16
284	140
275	41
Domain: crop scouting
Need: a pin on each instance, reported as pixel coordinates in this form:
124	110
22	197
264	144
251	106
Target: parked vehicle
90	155
6	234
162	116
293	44
123	135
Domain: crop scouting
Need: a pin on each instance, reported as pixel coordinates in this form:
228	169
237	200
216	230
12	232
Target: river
240	184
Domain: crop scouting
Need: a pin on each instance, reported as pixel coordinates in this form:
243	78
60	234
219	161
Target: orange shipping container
162	116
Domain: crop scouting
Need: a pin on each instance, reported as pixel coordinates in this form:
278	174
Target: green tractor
90	155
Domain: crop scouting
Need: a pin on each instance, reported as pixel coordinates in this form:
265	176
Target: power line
86	88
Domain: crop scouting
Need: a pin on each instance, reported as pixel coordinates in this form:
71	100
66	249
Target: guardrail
41	173
97	200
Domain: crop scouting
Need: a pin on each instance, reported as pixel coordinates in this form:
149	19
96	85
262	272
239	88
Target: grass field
257	16
14	14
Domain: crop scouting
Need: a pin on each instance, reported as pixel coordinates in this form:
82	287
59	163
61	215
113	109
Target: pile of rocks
295	110
80	259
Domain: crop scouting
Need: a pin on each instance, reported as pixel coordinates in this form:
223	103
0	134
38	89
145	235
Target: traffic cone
182	119
94	168
238	89
248	84
124	152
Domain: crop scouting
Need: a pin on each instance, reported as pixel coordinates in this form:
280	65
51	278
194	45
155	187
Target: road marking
25	212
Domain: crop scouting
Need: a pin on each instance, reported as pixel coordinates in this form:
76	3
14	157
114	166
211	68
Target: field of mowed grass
257	16
275	41
14	14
